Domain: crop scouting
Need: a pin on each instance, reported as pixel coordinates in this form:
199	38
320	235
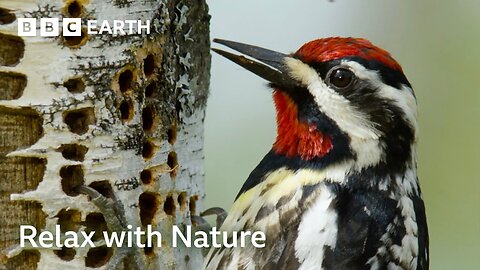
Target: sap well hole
98	256
146	176
72	178
74	85
148	65
125	80
150	89
182	201
73	151
126	110
148	149
74	9
149	251
6	16
66	254
69	220
172	134
169	206
148	119
76	41
79	120
148	203
12	49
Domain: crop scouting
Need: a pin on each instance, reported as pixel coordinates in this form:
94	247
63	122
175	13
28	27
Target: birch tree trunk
122	115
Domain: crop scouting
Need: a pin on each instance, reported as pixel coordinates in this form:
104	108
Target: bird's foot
201	224
114	215
219	212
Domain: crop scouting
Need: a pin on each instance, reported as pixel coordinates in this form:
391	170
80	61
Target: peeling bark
122	115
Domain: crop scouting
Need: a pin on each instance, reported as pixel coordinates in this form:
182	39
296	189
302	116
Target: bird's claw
219	212
199	221
201	224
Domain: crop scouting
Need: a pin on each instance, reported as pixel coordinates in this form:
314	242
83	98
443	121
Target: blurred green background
438	45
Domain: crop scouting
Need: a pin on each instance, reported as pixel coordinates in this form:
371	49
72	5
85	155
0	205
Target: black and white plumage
339	188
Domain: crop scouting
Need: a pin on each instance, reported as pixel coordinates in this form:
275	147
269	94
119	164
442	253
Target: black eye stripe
324	67
389	76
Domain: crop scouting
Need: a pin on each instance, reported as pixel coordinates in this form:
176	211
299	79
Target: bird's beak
271	65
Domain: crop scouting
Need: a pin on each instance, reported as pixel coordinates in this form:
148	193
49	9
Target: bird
339	187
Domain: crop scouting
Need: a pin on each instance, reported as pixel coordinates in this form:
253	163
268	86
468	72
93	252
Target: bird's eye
341	77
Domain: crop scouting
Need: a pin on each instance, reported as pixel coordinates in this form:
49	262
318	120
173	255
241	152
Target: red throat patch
327	49
296	138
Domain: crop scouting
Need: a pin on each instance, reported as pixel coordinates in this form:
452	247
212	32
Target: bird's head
337	99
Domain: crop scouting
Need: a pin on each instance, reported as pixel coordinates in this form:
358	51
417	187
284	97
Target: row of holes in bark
77	122
126	77
75	9
12	49
76	85
149	204
70	220
125	83
149	120
72	175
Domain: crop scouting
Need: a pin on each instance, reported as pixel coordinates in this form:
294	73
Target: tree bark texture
122	115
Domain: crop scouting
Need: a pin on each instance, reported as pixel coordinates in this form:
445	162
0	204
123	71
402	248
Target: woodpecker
339	188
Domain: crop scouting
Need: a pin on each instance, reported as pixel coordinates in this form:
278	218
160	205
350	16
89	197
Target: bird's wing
375	231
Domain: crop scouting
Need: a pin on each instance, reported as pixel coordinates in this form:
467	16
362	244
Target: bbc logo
50	27
72	27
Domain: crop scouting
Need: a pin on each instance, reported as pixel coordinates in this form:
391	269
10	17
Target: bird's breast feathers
271	206
275	207
311	221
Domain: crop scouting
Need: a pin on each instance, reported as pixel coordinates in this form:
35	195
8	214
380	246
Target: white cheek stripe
403	98
332	104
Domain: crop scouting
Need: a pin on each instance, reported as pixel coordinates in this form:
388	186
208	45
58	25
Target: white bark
114	124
